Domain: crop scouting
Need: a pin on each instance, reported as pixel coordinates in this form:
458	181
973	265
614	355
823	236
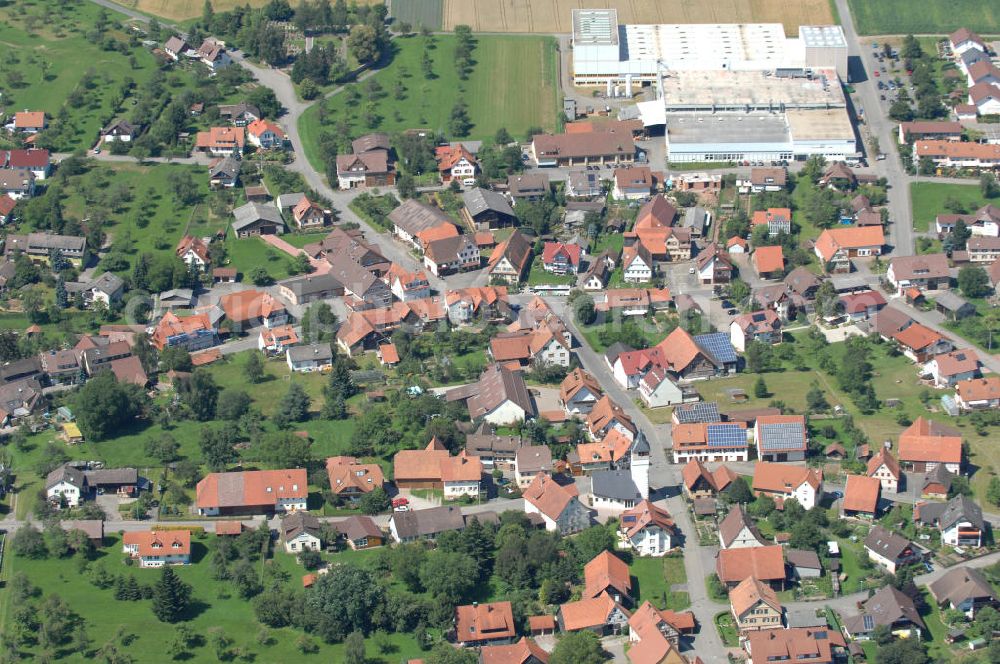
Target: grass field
553	16
928	199
655	576
51	52
894	17
218	606
513	85
419	13
250	252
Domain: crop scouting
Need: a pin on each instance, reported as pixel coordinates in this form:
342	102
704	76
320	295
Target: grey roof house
257	219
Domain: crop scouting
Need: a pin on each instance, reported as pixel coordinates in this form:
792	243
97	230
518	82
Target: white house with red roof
265	134
455	162
560	258
558	505
194	252
156	548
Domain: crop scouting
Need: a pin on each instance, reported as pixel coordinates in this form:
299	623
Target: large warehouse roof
754	88
726	128
595	26
820	124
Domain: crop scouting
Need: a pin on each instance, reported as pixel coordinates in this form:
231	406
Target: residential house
884	467
657	389
308	288
921	343
696	221
601	614
175	47
755	606
221	141
451	254
765	563
835	247
633	183
930	129
647	529
983	249
466	305
579	392
525	651
737	530
496	451
308	215
777	220
613	491
963	40
499	397
769	262
407	286
213	55
194	252
838	176
239	115
861	496
300	532
250	308
927	272
607	573
107	289
584	184
434	468
948	369
362	286
796	645
698	482
418	223
862	306
763	326
558	505
960	520
718	441
7	205
366	169
360	532
964	589
193	333
961	154
119	130
607	416
425	524
66	486
926	444
252	492
510	259
541	347
528	187
455	162
485	209
699	182
890	550
265	134
780	437
637	264
529	461
655	635
561	258
29	122
803	283
781	482
887	607
157	548
257	219
763	179
308	358
19	399
17	183
713	265
275	341
804	564
978	393
583	149
597	275
484	624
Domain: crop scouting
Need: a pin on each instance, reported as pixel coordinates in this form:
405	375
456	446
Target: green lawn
538	276
47	44
513	84
726	626
250	252
648	328
219	606
302	239
893	17
655	576
928	201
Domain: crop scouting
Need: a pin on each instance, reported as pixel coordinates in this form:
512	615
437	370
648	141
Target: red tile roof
979	389
483	622
159	542
861	494
604	571
767	563
769	259
251	488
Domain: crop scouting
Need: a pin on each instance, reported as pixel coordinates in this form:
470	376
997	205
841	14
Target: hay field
553	16
183	10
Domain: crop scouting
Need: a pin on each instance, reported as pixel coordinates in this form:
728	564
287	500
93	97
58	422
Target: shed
953	306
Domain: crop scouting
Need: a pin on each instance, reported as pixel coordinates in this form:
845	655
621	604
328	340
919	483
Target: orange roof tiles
979	389
483	622
171	325
781	478
515	653
935	449
853	237
447	156
440	232
588	613
29	119
937	149
613	447
388	353
886	459
248	305
548	496
346	473
767	563
221	138
159	542
576	380
228	527
917	337
751	592
861	494
604	571
259	126
251	488
636	519
769	259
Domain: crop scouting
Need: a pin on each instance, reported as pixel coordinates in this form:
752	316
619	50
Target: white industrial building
604	50
740	92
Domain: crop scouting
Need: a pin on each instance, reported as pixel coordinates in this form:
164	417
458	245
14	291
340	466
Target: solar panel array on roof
703	411
868	621
718	344
726	435
782	436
